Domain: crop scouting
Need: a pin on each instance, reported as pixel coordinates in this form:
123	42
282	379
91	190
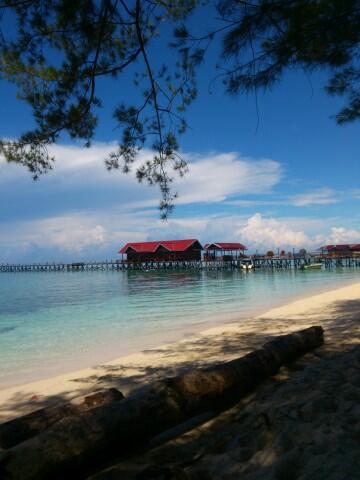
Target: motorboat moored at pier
247	264
312	266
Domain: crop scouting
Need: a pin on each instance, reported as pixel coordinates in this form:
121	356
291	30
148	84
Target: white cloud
355	193
215	178
100	235
69	234
72	236
211	178
266	233
256	203
79	210
209	227
323	196
339	235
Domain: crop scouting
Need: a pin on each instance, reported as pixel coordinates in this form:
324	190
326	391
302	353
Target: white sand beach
338	311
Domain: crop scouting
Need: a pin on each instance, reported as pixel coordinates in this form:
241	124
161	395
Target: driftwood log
77	445
20	429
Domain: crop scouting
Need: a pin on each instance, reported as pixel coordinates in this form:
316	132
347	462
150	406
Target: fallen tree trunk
76	444
20	429
216	386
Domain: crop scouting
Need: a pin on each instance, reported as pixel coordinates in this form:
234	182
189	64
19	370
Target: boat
312	266
246	264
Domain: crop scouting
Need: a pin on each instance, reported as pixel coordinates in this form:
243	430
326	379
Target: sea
57	322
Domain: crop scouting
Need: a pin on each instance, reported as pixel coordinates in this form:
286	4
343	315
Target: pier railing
115	265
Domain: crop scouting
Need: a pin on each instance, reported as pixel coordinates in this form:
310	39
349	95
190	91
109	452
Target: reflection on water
50	319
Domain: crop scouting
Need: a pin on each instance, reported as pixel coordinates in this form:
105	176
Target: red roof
151	247
355	246
225	246
330	248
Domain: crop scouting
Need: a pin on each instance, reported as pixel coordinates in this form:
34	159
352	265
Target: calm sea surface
57	322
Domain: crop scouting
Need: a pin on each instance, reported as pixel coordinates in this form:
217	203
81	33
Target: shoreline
172	335
217	343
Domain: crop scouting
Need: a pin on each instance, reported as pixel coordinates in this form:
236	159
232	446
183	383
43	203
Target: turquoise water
57	322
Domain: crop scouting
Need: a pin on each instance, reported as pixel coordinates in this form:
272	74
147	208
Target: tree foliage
305	34
58	51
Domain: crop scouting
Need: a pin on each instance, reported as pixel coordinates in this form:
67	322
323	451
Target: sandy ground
301	424
338	311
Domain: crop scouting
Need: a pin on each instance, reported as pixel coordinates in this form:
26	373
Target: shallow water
60	321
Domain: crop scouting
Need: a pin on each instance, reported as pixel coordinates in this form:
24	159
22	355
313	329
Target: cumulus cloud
99	236
268	232
210	227
257	231
68	234
340	235
261	232
72	236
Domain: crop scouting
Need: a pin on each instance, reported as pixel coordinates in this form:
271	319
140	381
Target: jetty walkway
117	265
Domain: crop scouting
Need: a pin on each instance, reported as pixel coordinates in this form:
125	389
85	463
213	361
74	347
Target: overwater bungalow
355	248
225	251
343	250
164	250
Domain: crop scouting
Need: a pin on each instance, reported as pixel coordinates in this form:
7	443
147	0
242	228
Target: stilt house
165	250
344	250
224	251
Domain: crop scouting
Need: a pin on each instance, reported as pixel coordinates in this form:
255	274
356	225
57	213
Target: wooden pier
332	262
277	263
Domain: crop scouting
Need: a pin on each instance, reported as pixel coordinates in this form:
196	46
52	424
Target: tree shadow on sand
203	351
197	353
22	403
299	423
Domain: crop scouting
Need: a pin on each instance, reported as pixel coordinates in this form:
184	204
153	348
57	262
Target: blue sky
291	183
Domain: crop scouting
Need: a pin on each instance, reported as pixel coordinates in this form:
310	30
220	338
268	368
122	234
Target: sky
291	182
